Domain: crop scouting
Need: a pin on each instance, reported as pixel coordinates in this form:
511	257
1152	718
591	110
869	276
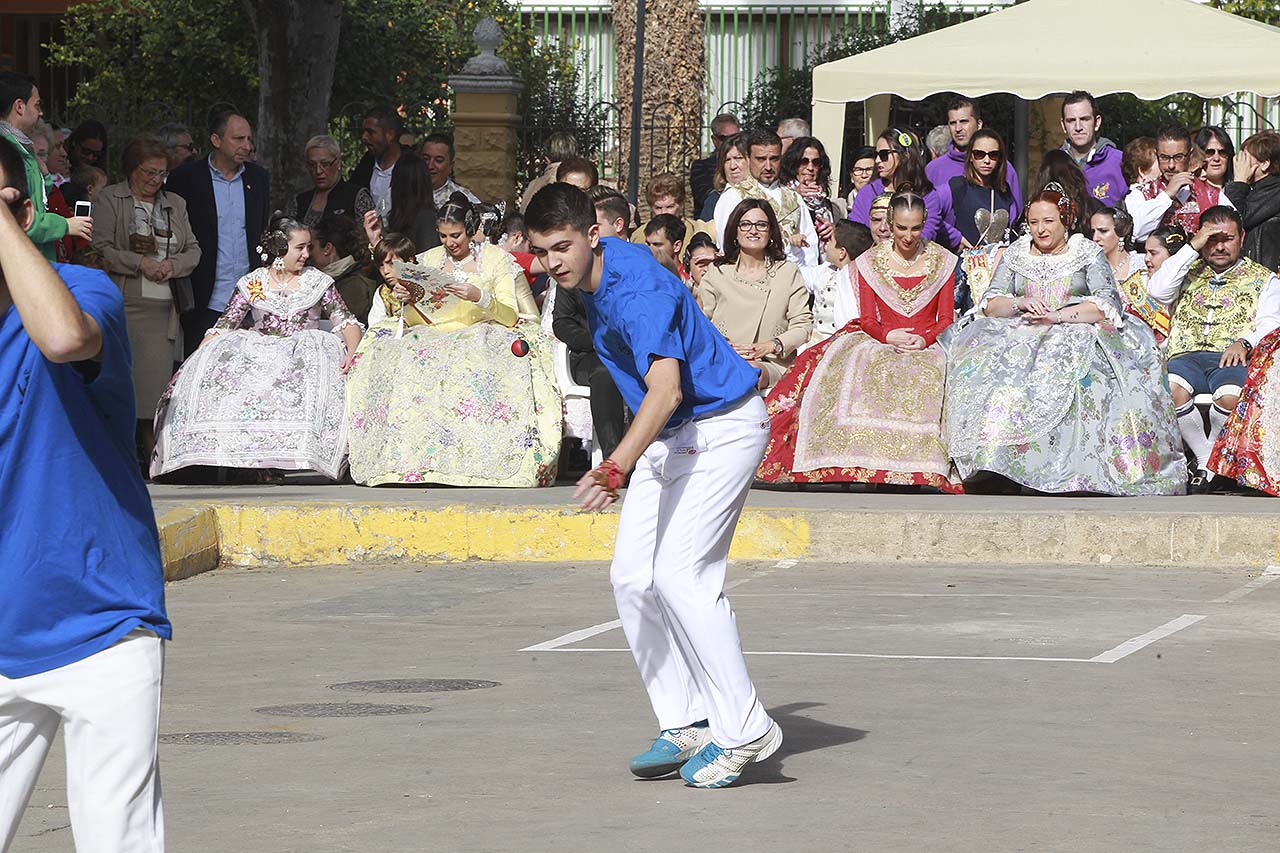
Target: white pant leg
110	704
690	565
26	732
673	540
672	690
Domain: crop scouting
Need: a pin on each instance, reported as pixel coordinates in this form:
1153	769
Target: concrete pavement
940	708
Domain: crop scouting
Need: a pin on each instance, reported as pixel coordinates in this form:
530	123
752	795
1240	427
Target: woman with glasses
862	170
806	169
754	295
865	405
145	238
329	195
900	167
731	168
980	204
1218	151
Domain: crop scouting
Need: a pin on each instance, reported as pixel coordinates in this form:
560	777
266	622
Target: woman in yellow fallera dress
468	399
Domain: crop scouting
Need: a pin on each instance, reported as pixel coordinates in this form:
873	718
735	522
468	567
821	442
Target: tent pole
1022	137
1022	141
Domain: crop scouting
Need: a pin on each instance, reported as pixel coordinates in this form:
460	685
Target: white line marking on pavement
1272	573
1128	647
877	657
585	633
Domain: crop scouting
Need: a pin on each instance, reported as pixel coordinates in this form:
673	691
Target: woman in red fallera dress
865	405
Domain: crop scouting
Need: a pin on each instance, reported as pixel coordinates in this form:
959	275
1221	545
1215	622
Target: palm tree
675	82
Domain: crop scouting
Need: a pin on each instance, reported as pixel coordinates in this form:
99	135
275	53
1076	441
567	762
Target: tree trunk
675	85
297	50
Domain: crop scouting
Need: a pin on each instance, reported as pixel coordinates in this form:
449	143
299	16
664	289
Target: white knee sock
1191	425
1217	419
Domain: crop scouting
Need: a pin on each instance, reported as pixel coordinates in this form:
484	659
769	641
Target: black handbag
184	295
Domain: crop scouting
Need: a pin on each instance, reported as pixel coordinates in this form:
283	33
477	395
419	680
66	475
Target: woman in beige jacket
145	236
754	296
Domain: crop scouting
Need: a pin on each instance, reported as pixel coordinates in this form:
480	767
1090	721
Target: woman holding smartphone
145	237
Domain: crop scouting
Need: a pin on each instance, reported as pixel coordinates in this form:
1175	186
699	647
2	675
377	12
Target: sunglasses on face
1215	152
986	155
883	154
810	161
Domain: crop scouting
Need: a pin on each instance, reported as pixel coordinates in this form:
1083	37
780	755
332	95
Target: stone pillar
486	118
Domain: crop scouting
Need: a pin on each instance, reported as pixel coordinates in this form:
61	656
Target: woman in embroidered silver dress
470	398
1049	384
272	395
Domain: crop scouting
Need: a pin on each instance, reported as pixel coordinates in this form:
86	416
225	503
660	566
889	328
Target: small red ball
520	347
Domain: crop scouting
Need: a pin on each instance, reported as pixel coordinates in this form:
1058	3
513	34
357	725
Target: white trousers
110	703
668	572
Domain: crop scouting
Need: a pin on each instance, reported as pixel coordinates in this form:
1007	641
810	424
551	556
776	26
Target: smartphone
84	208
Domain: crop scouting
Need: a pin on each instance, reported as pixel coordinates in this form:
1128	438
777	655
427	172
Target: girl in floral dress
468	399
271	395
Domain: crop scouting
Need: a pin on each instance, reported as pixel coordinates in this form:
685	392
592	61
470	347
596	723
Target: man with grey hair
791	129
178	145
702	173
938	141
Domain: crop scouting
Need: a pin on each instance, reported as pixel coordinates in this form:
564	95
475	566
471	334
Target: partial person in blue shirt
692	450
82	611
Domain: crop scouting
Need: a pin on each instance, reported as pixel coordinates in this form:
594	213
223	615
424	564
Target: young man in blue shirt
82	614
692	449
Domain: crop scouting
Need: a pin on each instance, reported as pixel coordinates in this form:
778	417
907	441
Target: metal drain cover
414	685
341	709
236	738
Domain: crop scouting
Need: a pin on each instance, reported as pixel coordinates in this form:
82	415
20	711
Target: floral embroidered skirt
457	408
852	410
250	400
1066	408
1248	449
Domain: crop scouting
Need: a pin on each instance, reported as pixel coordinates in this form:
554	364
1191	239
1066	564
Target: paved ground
975	712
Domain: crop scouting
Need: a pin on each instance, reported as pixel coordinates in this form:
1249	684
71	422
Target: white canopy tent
1150	48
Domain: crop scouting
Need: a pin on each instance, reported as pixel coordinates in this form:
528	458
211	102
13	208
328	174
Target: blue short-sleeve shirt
79	555
641	312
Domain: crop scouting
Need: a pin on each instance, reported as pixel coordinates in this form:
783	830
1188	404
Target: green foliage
788	92
151	61
1267	11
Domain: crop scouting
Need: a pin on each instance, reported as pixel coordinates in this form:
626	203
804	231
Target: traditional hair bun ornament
520	347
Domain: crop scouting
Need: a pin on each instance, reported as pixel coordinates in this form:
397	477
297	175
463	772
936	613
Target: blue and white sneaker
671	750
717	767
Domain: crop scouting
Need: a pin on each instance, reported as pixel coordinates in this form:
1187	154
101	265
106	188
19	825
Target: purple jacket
1102	172
933	224
942	169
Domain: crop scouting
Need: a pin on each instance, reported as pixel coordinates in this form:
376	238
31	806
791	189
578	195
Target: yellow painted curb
336	534
195	539
188	542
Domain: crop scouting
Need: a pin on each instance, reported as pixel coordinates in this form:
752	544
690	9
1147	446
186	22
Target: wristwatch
777	346
1248	347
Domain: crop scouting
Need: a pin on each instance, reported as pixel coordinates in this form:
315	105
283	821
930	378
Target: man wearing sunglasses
964	119
1177	196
